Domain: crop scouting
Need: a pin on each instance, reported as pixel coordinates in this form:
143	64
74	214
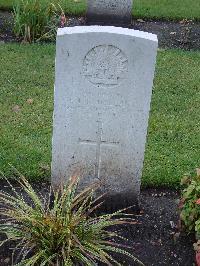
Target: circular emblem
105	65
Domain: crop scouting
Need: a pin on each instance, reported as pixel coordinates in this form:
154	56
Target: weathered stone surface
109	12
103	86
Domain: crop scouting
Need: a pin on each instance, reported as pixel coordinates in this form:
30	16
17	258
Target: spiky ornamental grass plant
64	233
36	20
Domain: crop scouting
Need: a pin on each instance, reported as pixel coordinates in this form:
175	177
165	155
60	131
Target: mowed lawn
26	104
161	9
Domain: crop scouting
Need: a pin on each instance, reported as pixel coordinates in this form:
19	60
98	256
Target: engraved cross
98	143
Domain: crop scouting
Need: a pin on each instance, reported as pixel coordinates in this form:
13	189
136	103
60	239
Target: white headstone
103	87
109	12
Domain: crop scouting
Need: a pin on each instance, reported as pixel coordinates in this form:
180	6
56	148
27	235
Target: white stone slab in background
103	87
109	12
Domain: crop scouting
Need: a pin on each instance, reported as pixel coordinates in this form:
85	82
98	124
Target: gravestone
109	12
103	87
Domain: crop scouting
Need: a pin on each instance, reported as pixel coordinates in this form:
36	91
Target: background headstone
109	12
103	86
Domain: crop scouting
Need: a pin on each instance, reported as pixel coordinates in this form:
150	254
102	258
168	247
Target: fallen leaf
198	202
198	258
81	20
176	236
16	108
198	172
172	224
183	21
44	167
29	101
197	246
140	20
24	42
7	260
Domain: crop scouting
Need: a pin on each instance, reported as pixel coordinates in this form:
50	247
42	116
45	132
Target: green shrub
35	19
190	203
64	233
190	208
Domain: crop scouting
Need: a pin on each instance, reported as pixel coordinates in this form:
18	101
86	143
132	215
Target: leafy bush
35	19
190	203
61	231
190	208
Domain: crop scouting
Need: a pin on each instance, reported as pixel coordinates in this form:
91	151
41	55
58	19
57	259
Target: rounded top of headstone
107	29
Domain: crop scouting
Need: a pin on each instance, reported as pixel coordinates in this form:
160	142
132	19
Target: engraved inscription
111	4
105	65
106	8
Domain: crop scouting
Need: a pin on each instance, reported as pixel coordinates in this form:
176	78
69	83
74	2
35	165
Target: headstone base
116	202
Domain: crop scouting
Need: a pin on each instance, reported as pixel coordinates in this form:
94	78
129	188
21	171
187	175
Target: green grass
70	6
161	9
27	71
174	141
167	9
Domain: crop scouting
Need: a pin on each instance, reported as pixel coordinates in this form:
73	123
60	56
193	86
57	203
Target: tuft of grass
159	9
35	20
71	7
64	233
26	129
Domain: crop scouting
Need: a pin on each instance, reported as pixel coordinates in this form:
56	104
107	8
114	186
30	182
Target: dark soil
6	25
184	34
155	240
